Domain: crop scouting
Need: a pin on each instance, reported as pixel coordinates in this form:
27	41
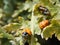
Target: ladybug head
24	34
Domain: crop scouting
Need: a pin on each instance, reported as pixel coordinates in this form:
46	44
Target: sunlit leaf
12	27
54	28
3	34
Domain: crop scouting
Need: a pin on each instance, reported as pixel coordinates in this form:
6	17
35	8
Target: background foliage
18	14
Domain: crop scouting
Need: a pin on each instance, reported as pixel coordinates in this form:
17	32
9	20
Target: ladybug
44	23
26	33
44	10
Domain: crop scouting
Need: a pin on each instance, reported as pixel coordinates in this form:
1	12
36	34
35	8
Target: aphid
44	23
44	10
26	32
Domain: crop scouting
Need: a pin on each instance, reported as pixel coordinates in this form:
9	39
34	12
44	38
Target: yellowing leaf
3	34
12	27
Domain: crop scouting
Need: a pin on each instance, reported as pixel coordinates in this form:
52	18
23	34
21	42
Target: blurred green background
15	13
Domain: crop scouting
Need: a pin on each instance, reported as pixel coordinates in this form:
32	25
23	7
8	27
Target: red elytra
27	30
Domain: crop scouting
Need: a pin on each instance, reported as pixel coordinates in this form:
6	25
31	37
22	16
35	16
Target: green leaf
12	27
5	41
25	6
8	36
8	7
57	16
34	28
53	28
3	34
52	9
48	30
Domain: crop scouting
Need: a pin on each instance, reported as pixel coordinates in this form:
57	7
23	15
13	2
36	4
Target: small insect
44	23
26	33
44	10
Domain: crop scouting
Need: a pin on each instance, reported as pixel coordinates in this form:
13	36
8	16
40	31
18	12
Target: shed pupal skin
44	10
44	23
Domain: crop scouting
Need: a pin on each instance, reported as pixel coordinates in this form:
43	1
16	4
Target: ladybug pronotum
44	23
